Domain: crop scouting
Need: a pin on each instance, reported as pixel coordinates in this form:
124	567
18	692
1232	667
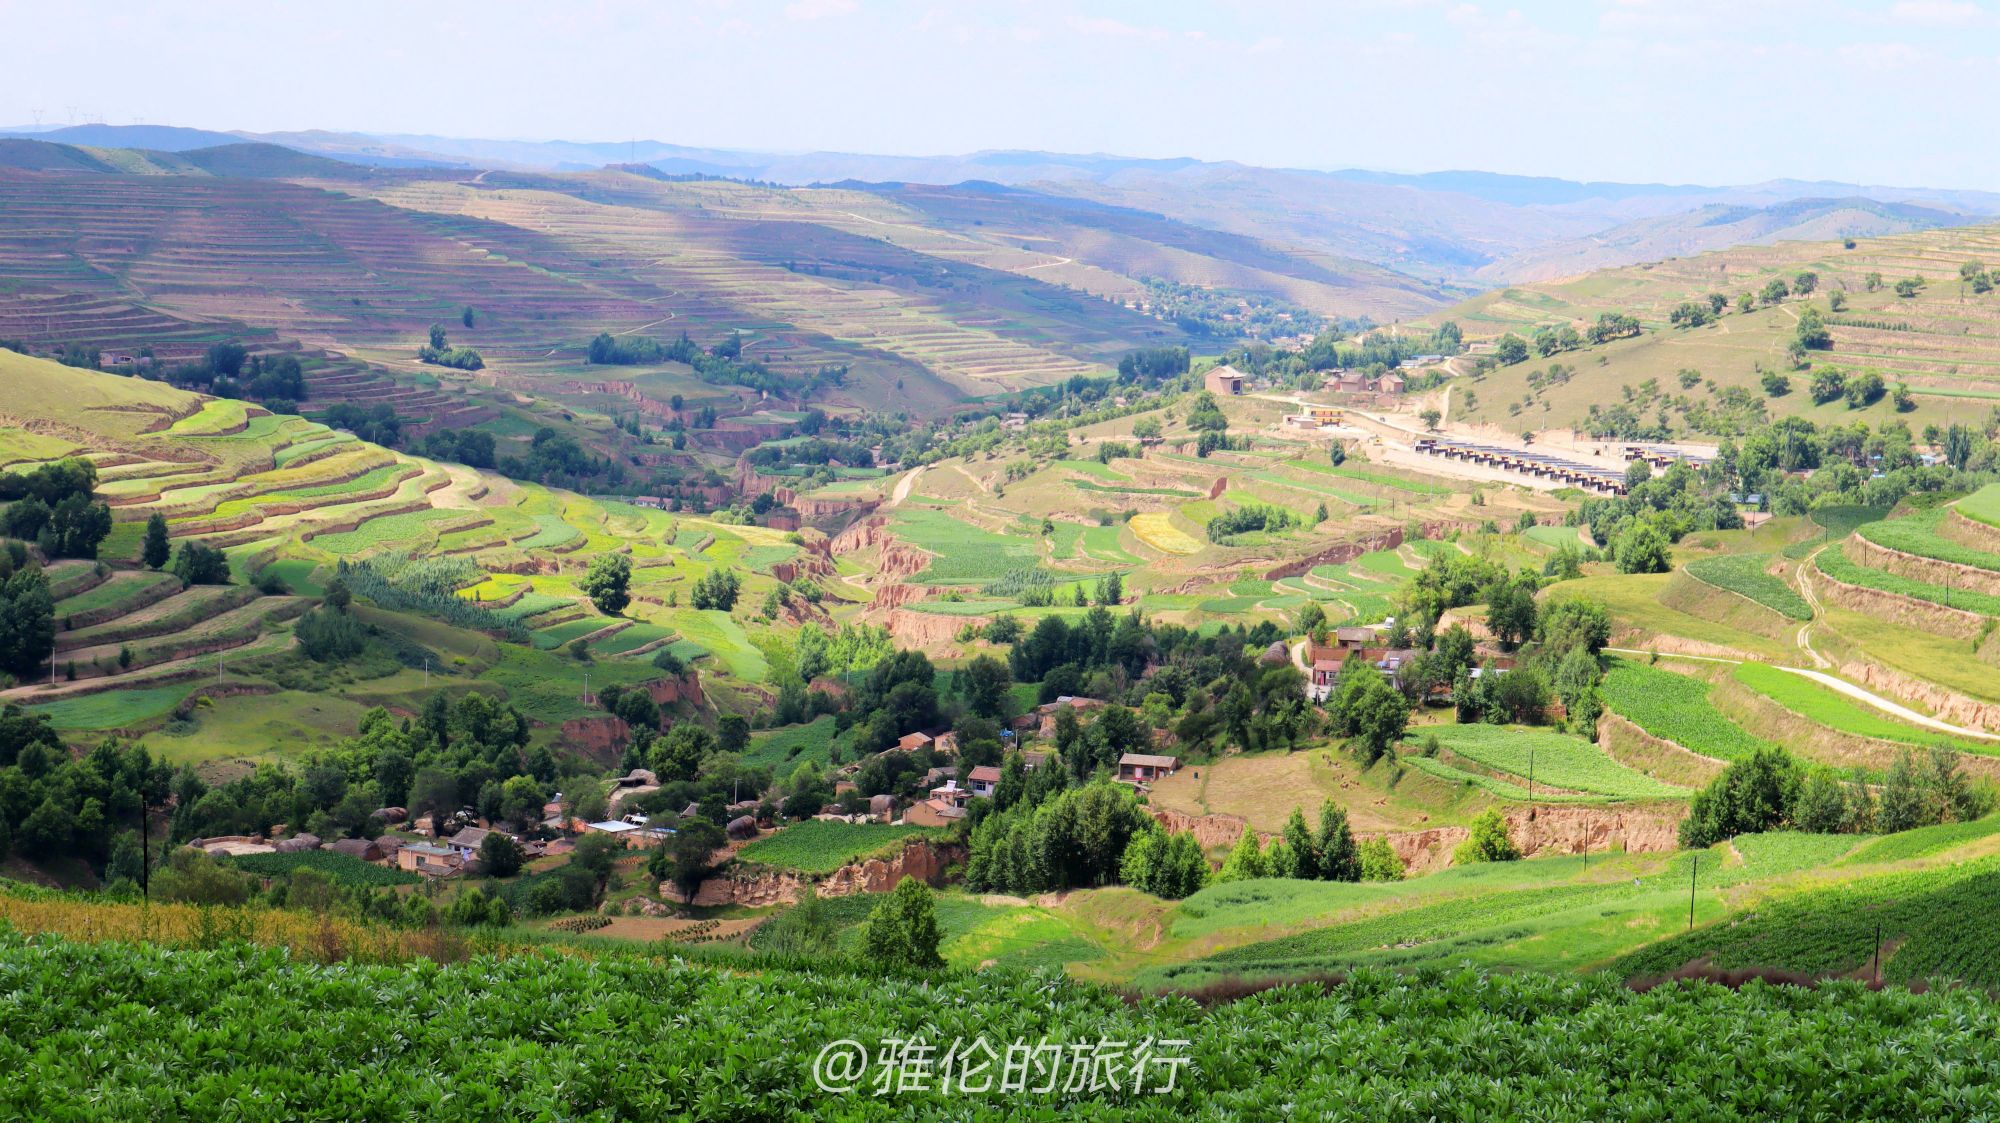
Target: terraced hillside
289	500
1938	337
959	543
362	263
1848	651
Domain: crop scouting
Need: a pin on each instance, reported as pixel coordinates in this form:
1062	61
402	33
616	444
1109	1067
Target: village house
1353	638
1391	383
933	813
1325	676
983	780
1225	381
1142	768
429	860
467	842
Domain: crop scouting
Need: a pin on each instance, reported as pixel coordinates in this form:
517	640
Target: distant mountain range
1447	230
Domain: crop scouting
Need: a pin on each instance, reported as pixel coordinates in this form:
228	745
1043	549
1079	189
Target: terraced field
1157	530
1675	707
290	498
1550	759
1746	575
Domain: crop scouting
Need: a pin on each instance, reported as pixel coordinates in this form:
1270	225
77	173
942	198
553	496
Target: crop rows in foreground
115	1031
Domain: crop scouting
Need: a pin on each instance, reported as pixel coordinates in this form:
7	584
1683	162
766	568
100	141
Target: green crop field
125	1029
1491	785
344	868
1676	708
121	588
404	531
1982	505
1918	534
1744	575
1826	706
1923	842
112	709
784	749
1557	759
1383	479
1938	920
1836	564
822	845
963	553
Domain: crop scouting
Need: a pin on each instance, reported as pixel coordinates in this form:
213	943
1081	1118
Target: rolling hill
1718	226
1937	337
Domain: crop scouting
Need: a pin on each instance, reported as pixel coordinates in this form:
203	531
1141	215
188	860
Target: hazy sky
1892	92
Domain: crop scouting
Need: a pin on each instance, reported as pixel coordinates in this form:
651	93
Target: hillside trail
904	485
1812	602
643	327
976	481
1842	686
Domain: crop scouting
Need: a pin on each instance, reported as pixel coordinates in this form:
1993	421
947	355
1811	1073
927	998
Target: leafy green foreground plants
115	1031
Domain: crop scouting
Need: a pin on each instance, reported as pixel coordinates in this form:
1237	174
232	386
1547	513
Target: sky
1896	92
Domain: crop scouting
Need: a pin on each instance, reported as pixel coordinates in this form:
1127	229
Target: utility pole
1531	799
1691	876
145	851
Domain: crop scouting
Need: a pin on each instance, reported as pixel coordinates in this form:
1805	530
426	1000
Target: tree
1337	454
1864	389
1753	795
1488	841
1571	624
1510	349
1366	708
1246	861
1902	805
1642	549
1828	383
718	590
1805	283
1379	861
1299	841
1430	416
1337	858
27	621
1510	613
500	854
1822	806
522	800
987	686
1775	384
685	860
199	564
157	550
434	791
1811	333
1110	590
903	930
608	583
678	754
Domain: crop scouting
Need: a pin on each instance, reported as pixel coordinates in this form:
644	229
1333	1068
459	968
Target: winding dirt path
1812	602
904	485
1893	709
